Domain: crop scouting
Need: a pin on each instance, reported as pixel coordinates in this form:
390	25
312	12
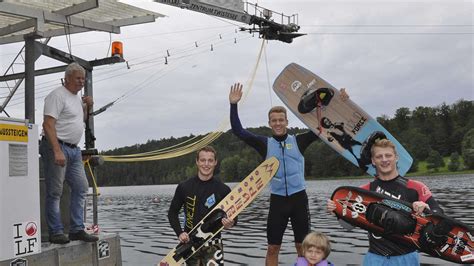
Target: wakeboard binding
310	99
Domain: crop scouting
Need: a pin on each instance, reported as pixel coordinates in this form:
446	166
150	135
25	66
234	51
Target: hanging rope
268	79
190	145
86	162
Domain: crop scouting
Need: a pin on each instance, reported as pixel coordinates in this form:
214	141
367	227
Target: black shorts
295	208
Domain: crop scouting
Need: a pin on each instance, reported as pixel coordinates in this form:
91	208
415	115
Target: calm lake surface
146	235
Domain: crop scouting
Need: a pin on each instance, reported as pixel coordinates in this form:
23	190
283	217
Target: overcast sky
388	54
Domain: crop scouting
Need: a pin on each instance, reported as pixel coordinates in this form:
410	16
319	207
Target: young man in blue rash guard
288	200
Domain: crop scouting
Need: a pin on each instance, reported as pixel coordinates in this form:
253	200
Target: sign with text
25	238
9	132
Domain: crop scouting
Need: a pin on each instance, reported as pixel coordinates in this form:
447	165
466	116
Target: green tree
468	149
454	162
435	161
325	162
416	143
191	170
444	130
423	119
401	119
229	168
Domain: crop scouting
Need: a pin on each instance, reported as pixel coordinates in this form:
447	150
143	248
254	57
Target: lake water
146	235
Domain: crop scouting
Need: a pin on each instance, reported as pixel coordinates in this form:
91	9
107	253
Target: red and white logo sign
25	239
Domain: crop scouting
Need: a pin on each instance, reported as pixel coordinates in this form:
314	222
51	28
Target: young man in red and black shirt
388	181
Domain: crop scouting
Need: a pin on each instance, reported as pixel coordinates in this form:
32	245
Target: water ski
239	198
343	125
435	234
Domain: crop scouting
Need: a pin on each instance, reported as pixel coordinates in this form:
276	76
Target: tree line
428	134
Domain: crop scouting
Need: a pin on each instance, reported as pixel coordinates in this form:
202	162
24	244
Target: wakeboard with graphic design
341	124
230	206
432	233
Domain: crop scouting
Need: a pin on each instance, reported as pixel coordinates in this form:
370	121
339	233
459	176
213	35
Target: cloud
388	54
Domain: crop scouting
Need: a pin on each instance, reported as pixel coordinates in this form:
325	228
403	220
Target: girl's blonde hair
317	240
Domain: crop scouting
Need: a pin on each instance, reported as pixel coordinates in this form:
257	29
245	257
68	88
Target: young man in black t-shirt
197	196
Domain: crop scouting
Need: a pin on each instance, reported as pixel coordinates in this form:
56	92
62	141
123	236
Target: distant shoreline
416	174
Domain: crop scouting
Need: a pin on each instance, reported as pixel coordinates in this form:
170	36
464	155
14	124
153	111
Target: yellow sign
9	132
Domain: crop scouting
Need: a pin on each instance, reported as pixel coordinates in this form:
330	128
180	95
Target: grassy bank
431	173
424	171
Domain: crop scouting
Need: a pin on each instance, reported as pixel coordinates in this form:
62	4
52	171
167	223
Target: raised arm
258	142
235	93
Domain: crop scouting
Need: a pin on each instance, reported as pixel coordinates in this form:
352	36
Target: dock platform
105	252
